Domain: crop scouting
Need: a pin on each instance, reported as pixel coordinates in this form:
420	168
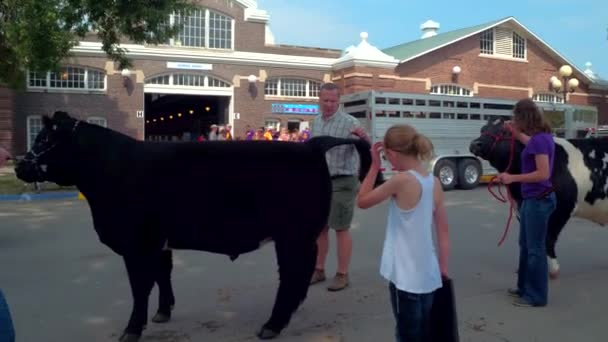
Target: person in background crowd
5	156
228	132
213	133
249	133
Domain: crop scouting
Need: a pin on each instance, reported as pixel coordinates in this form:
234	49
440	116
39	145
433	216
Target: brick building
225	68
501	59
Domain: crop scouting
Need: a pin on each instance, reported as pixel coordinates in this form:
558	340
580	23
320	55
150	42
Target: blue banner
294	108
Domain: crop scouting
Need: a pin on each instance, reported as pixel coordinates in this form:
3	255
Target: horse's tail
325	143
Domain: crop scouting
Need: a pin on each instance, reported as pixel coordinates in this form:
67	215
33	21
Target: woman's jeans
412	312
533	272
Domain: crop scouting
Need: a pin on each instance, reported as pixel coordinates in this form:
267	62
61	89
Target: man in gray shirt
343	163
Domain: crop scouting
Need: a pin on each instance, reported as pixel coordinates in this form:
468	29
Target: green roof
421	46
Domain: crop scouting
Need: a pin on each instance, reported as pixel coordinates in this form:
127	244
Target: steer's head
494	144
51	157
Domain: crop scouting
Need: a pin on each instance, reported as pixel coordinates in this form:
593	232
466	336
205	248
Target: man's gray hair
329	86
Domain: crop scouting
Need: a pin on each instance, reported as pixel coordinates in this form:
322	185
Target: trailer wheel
469	174
445	170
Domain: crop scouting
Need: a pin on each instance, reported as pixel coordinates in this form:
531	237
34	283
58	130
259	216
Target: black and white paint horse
580	174
145	196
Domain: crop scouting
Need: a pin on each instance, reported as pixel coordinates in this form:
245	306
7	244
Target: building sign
189	66
293	108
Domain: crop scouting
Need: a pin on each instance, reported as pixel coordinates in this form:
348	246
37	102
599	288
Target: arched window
189	80
548	97
203	28
450	89
69	77
291	87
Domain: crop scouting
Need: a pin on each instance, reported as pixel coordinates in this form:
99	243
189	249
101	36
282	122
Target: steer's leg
140	269
557	221
166	300
296	264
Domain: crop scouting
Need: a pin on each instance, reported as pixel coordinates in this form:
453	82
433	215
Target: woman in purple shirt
538	203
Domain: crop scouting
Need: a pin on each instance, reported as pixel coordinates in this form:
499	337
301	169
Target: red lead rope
502	197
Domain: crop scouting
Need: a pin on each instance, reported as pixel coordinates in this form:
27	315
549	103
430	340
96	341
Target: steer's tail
325	143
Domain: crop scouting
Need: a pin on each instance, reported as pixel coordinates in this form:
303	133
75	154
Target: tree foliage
37	35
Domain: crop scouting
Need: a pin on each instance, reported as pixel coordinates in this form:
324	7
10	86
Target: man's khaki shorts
343	198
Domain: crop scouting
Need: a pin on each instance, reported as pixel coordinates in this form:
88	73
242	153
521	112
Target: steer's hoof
161	318
267	334
126	337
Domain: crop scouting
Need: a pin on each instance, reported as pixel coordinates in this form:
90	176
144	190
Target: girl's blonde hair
406	140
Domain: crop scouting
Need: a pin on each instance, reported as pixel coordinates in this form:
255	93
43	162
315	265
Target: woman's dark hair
529	119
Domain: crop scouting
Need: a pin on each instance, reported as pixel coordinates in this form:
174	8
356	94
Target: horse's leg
557	221
140	269
296	265
166	300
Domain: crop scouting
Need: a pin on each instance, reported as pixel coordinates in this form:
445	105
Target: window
502	41
487	42
450	89
34	126
498	106
193	29
272	124
96	120
292	87
220	31
69	77
203	28
519	46
188	80
548	97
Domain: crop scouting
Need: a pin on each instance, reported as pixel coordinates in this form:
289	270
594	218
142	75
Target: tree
37	35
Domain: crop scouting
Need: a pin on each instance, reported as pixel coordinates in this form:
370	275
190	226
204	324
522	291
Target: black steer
146	196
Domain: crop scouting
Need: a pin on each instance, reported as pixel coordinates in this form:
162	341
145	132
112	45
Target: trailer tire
445	170
469	174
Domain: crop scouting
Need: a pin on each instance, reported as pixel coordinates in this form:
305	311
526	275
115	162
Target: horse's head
494	144
51	157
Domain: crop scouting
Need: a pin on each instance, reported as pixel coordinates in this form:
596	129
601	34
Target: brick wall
6	118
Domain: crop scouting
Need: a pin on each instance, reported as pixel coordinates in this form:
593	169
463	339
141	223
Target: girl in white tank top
409	261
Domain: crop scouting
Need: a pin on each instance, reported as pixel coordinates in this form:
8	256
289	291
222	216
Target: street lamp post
567	84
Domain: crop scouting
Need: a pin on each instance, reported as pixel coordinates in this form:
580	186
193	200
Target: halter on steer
502	197
41	169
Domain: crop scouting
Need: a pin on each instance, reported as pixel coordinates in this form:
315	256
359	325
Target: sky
578	30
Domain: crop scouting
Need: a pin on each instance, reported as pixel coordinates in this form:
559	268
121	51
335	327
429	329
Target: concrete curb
42	196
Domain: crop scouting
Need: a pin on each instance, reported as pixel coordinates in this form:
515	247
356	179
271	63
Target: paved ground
63	285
